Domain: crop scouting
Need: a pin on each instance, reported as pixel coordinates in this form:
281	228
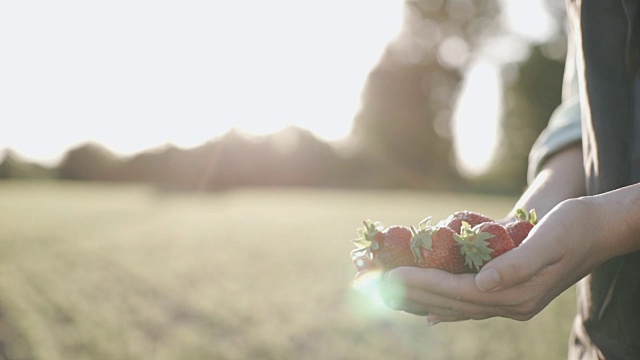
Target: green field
94	271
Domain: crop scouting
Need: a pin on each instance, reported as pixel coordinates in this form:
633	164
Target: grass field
94	271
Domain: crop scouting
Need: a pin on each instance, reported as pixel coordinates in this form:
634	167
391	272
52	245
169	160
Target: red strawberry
520	228
454	221
435	247
382	248
483	242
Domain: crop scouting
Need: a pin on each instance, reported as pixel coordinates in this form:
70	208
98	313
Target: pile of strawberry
462	243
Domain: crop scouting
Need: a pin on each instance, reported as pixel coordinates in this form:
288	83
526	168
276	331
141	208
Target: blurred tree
89	161
293	157
529	102
408	97
532	91
170	167
14	168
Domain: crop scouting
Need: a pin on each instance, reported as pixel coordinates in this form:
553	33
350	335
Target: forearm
561	178
618	213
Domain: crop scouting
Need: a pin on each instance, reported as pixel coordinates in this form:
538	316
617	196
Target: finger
433	320
439	305
404	289
433	313
420	310
437	281
398	295
450	291
520	264
450	286
419	303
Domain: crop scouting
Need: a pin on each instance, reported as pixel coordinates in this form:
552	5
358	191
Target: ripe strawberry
435	247
483	242
454	221
380	248
520	228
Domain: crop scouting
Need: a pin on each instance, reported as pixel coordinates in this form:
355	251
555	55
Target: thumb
516	266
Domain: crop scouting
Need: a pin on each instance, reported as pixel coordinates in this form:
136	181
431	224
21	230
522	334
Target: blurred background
420	94
152	152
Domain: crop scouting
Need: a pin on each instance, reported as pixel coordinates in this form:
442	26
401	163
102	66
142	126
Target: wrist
617	214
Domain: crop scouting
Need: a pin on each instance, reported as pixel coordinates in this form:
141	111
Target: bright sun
138	74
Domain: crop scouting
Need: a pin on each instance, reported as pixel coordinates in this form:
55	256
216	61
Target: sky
138	74
141	73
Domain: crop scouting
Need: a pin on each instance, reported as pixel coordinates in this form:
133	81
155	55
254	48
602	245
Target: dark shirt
607	325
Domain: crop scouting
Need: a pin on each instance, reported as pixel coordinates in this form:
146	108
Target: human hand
567	244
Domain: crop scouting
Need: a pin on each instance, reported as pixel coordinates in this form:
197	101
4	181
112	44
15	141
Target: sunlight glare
365	297
530	19
476	119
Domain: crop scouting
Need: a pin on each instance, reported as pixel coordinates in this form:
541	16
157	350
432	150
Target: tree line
232	160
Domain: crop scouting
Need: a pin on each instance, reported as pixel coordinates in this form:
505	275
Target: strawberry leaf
474	246
521	214
367	235
362	243
421	238
425	223
474	256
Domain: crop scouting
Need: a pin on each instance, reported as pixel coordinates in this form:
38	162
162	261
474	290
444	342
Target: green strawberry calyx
366	241
474	246
521	214
421	237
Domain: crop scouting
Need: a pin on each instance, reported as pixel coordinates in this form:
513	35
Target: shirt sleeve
564	129
565	125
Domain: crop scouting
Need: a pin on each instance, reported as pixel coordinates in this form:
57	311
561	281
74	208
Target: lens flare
368	291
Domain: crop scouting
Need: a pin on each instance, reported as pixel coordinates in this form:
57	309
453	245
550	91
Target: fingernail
433	320
487	279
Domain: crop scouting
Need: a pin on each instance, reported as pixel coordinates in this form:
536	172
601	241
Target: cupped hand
567	244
